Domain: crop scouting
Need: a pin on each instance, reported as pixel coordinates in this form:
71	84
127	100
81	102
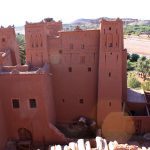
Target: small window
89	69
70	69
15	103
63	100
110	45
60	51
110	53
109	104
109	74
32	103
71	46
81	101
82	46
109	28
104	31
3	40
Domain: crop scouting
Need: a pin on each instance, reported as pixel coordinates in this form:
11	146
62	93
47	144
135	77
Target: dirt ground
137	45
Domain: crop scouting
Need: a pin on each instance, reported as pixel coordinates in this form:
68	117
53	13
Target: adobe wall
124	75
74	64
36	35
141	123
36	120
3	129
110	69
8	42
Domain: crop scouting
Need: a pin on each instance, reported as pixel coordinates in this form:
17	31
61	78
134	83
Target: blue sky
18	11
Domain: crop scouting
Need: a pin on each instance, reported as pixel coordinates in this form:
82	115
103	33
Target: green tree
21	43
146	86
134	57
133	81
129	65
143	66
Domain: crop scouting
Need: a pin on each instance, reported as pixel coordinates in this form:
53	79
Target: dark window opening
32	45
110	44
63	100
82	46
109	104
70	69
110	53
109	28
104	31
3	40
32	103
117	57
109	74
15	103
132	112
116	44
105	44
89	69
41	44
71	46
60	51
81	101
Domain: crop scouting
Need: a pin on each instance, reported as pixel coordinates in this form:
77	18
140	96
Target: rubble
101	144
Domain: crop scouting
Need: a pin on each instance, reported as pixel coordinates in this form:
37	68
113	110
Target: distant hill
91	24
20	29
140	22
127	21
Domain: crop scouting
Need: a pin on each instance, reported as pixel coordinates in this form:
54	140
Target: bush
129	65
133	81
134	57
146	86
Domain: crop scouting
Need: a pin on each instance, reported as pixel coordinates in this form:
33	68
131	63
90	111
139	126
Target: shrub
129	65
134	57
146	86
133	81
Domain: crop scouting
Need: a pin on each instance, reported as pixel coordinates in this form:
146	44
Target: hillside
127	21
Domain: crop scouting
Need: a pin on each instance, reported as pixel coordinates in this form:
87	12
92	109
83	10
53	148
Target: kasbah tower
67	74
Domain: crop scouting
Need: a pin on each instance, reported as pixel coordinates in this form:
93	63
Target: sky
17	12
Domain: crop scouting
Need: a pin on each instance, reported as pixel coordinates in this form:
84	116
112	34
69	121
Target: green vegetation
132	61
21	43
143	67
136	29
138	67
146	85
134	57
133	81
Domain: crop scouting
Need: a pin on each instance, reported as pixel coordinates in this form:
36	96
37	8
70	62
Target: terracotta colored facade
67	75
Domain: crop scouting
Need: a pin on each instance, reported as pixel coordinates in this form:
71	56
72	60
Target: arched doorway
24	134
